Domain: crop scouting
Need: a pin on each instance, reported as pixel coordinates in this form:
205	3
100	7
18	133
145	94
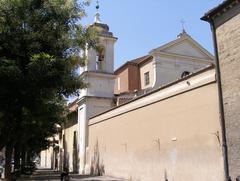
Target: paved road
48	175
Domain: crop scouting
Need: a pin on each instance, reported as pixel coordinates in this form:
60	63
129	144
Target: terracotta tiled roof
73	105
137	61
141	59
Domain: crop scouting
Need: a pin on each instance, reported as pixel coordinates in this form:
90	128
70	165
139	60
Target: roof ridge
136	61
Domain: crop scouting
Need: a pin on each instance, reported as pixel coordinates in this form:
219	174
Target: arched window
100	50
184	74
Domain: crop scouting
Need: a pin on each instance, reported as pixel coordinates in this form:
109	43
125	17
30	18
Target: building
164	64
155	117
225	25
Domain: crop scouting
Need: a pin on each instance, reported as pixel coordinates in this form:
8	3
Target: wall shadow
75	160
97	168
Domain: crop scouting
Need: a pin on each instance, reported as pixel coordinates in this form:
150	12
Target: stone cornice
84	98
219	10
98	74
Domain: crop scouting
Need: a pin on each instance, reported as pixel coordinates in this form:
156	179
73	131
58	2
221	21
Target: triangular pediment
187	49
185	46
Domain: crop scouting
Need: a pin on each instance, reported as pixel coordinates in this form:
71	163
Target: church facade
155	117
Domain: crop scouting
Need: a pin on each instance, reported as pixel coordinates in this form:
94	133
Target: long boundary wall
170	134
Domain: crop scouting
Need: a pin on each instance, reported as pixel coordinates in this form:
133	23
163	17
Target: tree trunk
28	157
16	157
2	144
23	156
8	159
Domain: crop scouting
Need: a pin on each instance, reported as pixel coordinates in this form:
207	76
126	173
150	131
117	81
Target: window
184	74
146	78
119	83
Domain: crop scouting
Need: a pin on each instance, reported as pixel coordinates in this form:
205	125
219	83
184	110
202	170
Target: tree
40	42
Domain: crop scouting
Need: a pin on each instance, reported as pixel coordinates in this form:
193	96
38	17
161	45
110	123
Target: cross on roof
97	7
183	24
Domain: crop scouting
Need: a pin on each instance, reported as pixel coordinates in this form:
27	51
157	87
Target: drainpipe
221	103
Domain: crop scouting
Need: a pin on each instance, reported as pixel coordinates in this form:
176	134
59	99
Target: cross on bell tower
97	15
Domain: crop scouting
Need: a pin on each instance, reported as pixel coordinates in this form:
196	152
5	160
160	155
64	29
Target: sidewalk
43	175
49	175
90	178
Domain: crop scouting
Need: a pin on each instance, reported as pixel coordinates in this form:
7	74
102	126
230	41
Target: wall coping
201	78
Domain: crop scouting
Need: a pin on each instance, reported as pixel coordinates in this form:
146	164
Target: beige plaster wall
175	139
71	153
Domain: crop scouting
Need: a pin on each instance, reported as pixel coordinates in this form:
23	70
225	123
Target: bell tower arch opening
100	57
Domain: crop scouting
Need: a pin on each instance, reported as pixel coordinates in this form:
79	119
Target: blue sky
142	25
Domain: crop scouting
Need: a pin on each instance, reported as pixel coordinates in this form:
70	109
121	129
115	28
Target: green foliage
40	41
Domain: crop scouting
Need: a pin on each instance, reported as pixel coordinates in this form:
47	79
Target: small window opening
146	78
185	74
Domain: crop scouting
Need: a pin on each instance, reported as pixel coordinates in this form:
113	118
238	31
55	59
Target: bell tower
98	73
